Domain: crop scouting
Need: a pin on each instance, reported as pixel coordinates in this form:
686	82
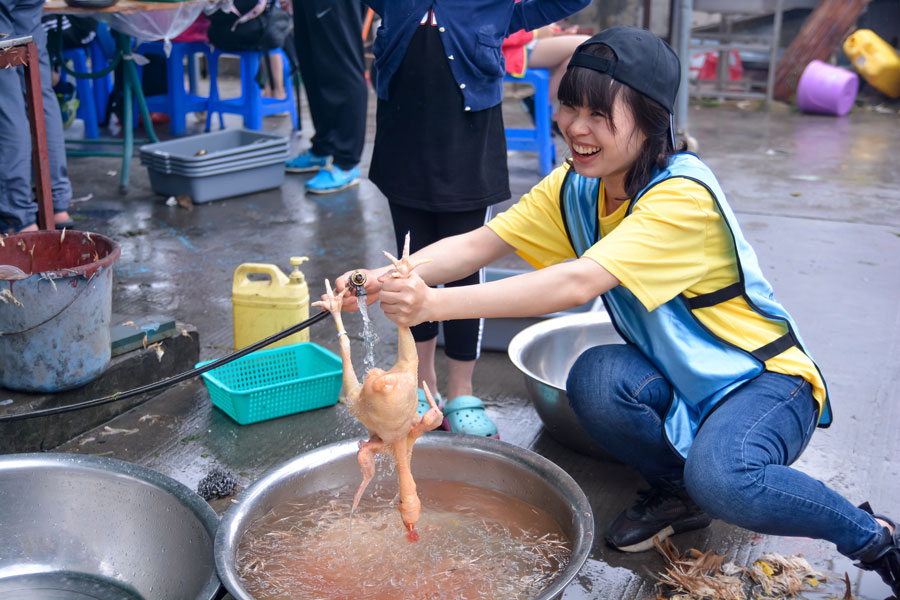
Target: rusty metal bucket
55	307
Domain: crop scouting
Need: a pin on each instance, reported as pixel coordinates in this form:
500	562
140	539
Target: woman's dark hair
581	86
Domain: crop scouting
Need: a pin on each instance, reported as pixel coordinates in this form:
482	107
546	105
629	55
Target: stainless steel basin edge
485	462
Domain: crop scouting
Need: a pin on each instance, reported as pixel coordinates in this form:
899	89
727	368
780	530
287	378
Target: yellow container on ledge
876	61
264	302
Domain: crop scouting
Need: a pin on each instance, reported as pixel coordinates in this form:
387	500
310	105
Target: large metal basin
484	462
545	352
78	527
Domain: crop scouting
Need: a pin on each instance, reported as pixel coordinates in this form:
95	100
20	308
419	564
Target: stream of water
369	337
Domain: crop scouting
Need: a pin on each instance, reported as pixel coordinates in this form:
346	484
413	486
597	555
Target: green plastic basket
272	383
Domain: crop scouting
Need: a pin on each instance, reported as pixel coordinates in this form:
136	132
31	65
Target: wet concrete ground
816	196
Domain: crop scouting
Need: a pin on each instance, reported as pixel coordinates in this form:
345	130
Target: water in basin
475	544
60	585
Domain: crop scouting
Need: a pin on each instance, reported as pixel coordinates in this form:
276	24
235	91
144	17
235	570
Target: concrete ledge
180	352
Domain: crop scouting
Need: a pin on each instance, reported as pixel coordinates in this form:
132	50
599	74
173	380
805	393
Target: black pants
328	36
462	337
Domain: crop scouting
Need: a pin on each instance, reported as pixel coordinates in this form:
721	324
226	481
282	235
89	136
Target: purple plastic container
826	89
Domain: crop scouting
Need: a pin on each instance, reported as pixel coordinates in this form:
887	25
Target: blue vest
702	368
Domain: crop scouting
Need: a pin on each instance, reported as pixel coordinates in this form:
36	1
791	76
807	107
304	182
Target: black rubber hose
5	418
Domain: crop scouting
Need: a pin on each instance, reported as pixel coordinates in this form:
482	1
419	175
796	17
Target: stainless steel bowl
545	352
78	527
480	461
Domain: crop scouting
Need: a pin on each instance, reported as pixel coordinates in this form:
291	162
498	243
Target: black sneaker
658	513
884	559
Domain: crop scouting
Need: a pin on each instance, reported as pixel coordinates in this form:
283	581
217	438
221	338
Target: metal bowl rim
581	508
181	492
534	332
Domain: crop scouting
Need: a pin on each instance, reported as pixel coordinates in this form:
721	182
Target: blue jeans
737	468
17	207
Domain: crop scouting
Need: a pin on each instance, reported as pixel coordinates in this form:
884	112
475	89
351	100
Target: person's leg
553	54
420	225
738	468
462	337
17	208
621	400
275	86
330	52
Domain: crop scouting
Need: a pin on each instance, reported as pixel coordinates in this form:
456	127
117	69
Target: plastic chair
250	104
87	109
177	102
539	138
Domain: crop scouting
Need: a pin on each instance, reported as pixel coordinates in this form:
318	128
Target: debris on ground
7	297
107	430
218	483
696	575
185	201
84	198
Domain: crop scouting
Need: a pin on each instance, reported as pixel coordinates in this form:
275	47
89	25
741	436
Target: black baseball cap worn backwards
642	61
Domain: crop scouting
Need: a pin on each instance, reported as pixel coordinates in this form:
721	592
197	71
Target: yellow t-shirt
675	241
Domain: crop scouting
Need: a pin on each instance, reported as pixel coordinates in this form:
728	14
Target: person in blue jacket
714	395
440	148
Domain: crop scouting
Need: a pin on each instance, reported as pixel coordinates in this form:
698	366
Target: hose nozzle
357	281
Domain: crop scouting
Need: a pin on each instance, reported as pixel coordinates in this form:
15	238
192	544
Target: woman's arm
410	301
452	258
532	14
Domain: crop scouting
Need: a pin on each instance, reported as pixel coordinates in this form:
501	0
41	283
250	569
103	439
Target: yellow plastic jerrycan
263	306
875	60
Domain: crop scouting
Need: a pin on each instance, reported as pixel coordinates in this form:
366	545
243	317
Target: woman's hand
405	300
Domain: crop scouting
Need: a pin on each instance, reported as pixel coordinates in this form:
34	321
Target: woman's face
598	150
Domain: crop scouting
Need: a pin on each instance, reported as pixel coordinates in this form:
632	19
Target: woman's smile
583	150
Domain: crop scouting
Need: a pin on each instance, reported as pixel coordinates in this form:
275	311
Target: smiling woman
714	395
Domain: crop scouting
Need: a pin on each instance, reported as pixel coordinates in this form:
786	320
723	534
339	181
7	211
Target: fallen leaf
184	201
132	323
107	430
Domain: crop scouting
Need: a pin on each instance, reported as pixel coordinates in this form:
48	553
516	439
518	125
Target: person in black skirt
440	149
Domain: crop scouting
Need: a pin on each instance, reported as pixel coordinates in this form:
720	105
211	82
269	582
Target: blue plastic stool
178	101
538	139
87	110
250	104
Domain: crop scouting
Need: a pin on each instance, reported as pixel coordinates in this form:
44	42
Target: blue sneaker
332	179
306	162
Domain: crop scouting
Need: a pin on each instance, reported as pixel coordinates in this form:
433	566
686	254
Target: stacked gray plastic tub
217	165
